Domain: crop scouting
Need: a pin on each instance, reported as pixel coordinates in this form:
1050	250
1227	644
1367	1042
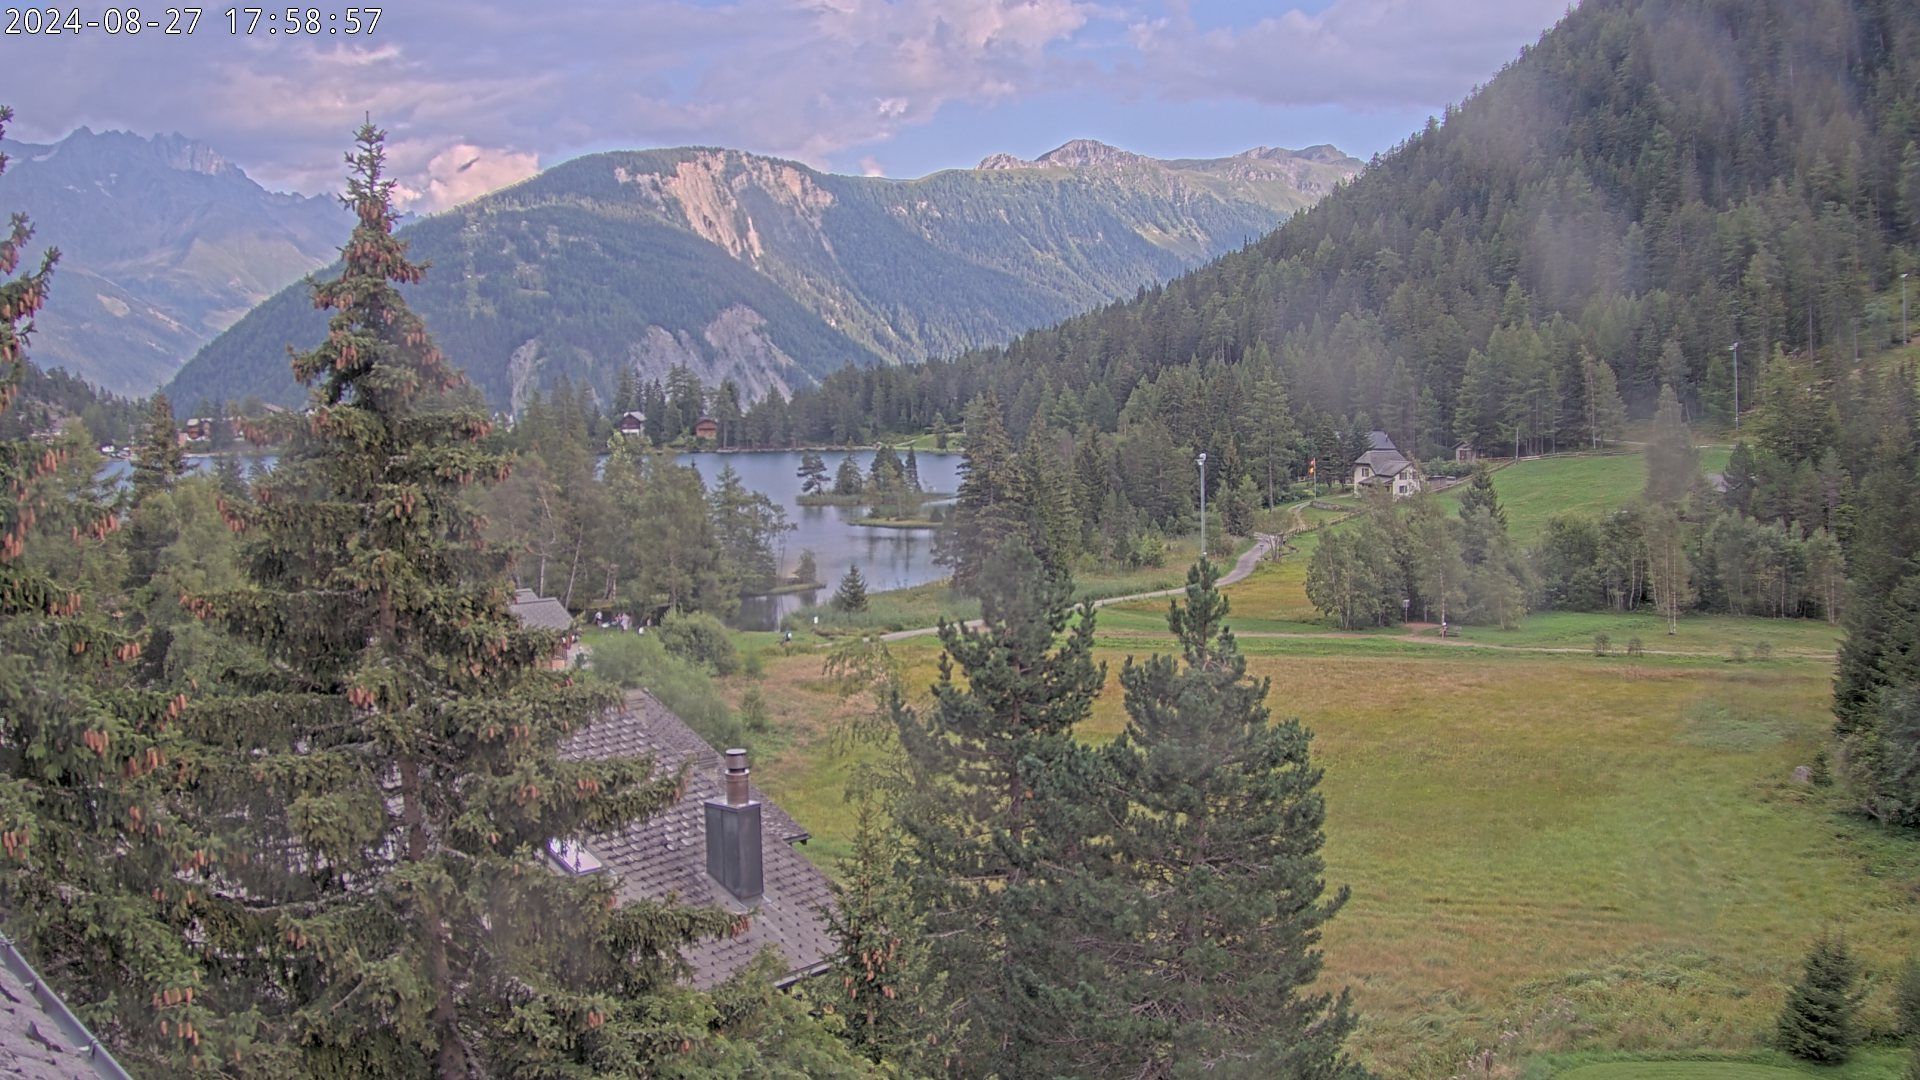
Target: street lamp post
1736	386
1202	460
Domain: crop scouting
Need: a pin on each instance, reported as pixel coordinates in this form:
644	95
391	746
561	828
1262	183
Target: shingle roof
39	1037
666	855
1384	458
1383	462
540	612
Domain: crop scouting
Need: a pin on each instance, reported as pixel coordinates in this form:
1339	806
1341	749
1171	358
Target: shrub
1763	650
1821	773
1906	1001
1817	1023
1738	654
1144	549
642	662
1602	644
701	638
753	710
1634	648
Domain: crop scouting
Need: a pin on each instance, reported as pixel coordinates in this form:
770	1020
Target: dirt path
1244	565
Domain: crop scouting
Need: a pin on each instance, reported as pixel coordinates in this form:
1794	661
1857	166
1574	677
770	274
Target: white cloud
870	166
1355	53
476	92
465	171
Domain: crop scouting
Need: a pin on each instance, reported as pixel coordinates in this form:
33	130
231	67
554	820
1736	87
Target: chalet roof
1380	440
39	1036
639	418
666	855
540	612
1387	462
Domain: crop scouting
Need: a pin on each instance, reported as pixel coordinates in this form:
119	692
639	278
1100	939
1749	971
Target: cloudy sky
479	93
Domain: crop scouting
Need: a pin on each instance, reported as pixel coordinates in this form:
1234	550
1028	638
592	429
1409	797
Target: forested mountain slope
163	245
1651	182
772	274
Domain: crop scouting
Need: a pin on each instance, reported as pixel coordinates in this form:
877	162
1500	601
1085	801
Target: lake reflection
888	558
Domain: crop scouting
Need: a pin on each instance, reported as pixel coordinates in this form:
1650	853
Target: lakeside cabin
706	429
633	424
1384	466
547	613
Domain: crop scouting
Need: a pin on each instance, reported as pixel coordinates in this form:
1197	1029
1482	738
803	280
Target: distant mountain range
773	274
163	245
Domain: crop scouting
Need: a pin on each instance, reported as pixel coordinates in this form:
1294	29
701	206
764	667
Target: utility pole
1202	460
1736	386
1904	337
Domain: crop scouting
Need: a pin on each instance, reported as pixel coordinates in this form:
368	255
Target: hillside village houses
1384	466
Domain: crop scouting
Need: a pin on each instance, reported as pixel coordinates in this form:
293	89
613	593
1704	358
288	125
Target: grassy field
1524	834
1871	1064
1534	491
1599	855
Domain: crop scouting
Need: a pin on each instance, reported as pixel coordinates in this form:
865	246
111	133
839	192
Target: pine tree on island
847	480
812	474
913	470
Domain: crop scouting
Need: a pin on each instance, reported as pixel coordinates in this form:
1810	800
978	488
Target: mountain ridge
774	274
164	243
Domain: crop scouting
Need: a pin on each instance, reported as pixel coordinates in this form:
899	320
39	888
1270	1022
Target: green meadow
1561	864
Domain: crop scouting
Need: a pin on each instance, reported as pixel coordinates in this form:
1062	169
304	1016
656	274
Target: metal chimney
733	834
736	777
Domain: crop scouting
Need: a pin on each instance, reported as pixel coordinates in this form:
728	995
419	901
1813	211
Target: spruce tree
1673	465
1817	1023
1215	874
912	467
983	823
1906	1001
159	459
877	963
851	596
987	510
379	892
847	479
86	758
